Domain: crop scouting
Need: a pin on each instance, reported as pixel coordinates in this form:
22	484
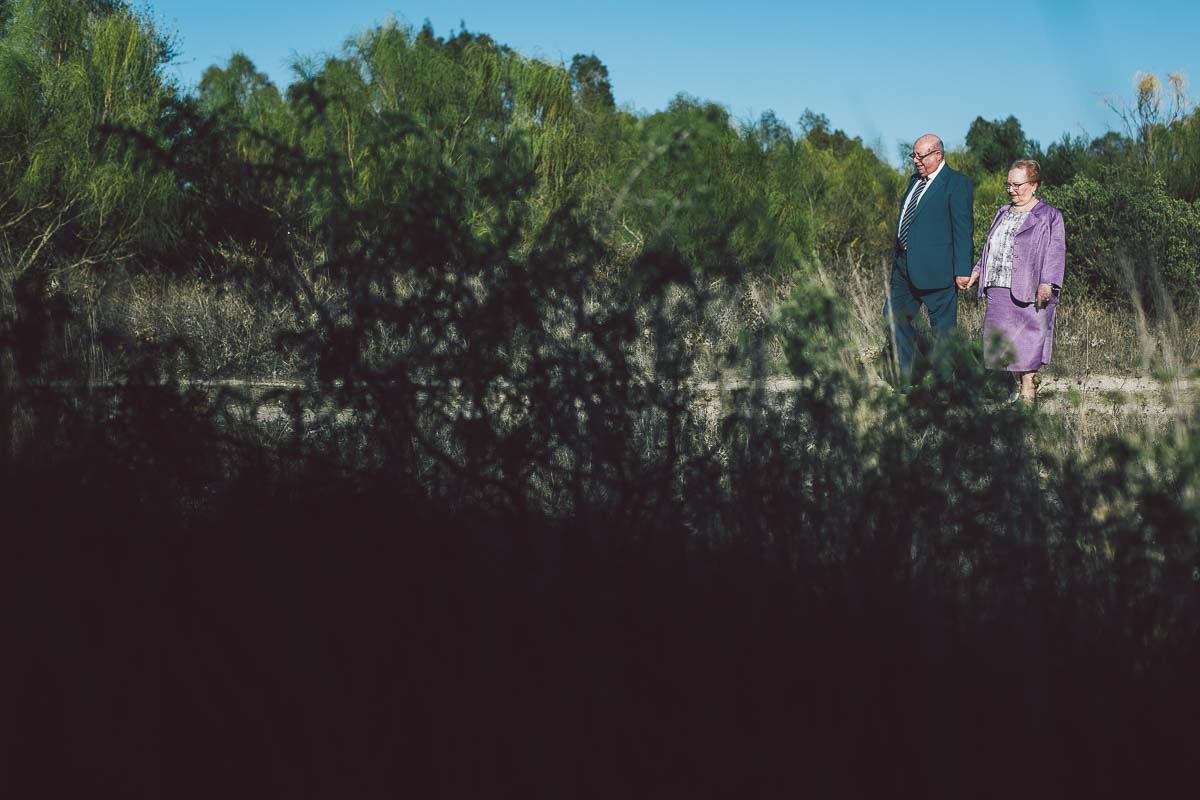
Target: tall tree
589	79
76	203
70	72
997	143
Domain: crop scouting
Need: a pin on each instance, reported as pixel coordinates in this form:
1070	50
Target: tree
77	204
238	87
1063	160
589	80
1148	120
996	144
815	128
72	71
1109	150
1182	157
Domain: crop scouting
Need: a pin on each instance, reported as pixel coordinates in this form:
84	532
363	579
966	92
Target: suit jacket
1039	252
939	235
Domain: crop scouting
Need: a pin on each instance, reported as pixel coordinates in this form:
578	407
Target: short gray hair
1033	170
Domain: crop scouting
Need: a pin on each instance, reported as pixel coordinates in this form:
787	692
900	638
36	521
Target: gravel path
1107	393
1055	393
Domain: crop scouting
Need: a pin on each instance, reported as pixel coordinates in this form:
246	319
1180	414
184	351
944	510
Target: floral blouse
1000	249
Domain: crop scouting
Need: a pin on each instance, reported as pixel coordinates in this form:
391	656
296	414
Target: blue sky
885	71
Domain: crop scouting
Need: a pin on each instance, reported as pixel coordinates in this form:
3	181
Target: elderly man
932	259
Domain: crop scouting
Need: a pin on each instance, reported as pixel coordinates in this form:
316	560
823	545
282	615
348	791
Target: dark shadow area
316	642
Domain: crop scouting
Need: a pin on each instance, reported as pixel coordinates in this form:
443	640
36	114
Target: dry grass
1092	337
1152	362
220	332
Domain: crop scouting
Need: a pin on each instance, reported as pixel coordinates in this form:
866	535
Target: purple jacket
1039	252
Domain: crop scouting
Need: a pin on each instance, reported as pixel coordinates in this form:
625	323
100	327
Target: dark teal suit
938	250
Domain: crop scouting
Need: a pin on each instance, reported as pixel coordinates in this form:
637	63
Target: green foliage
989	197
589	79
1126	235
244	98
68	71
815	129
689	193
1075	155
780	201
854	197
996	144
1178	158
1063	159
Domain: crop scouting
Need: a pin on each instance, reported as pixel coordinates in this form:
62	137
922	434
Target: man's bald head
928	142
927	154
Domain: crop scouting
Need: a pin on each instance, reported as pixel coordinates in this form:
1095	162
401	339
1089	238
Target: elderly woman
1020	272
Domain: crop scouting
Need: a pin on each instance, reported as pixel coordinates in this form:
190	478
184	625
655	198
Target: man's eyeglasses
916	157
1016	185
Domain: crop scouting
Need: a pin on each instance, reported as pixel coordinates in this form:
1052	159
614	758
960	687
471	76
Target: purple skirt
1027	333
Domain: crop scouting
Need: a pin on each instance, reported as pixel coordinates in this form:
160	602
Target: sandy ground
1107	389
1117	392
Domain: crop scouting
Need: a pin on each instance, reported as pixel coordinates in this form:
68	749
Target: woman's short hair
1033	170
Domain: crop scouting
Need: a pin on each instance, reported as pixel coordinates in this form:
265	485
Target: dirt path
1115	393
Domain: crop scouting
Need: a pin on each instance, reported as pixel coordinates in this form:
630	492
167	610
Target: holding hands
1044	291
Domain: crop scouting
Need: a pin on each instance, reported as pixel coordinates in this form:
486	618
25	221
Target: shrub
1128	236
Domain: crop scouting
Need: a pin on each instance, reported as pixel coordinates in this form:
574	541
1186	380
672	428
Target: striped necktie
910	211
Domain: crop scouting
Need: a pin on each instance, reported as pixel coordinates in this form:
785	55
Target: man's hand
961	281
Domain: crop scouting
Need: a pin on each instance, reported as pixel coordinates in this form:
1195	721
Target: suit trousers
904	303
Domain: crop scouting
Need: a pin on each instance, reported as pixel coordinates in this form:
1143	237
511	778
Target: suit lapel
935	189
1029	221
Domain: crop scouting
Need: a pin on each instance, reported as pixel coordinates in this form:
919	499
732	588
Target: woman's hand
974	277
1044	292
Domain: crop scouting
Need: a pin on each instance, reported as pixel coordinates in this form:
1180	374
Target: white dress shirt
908	197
